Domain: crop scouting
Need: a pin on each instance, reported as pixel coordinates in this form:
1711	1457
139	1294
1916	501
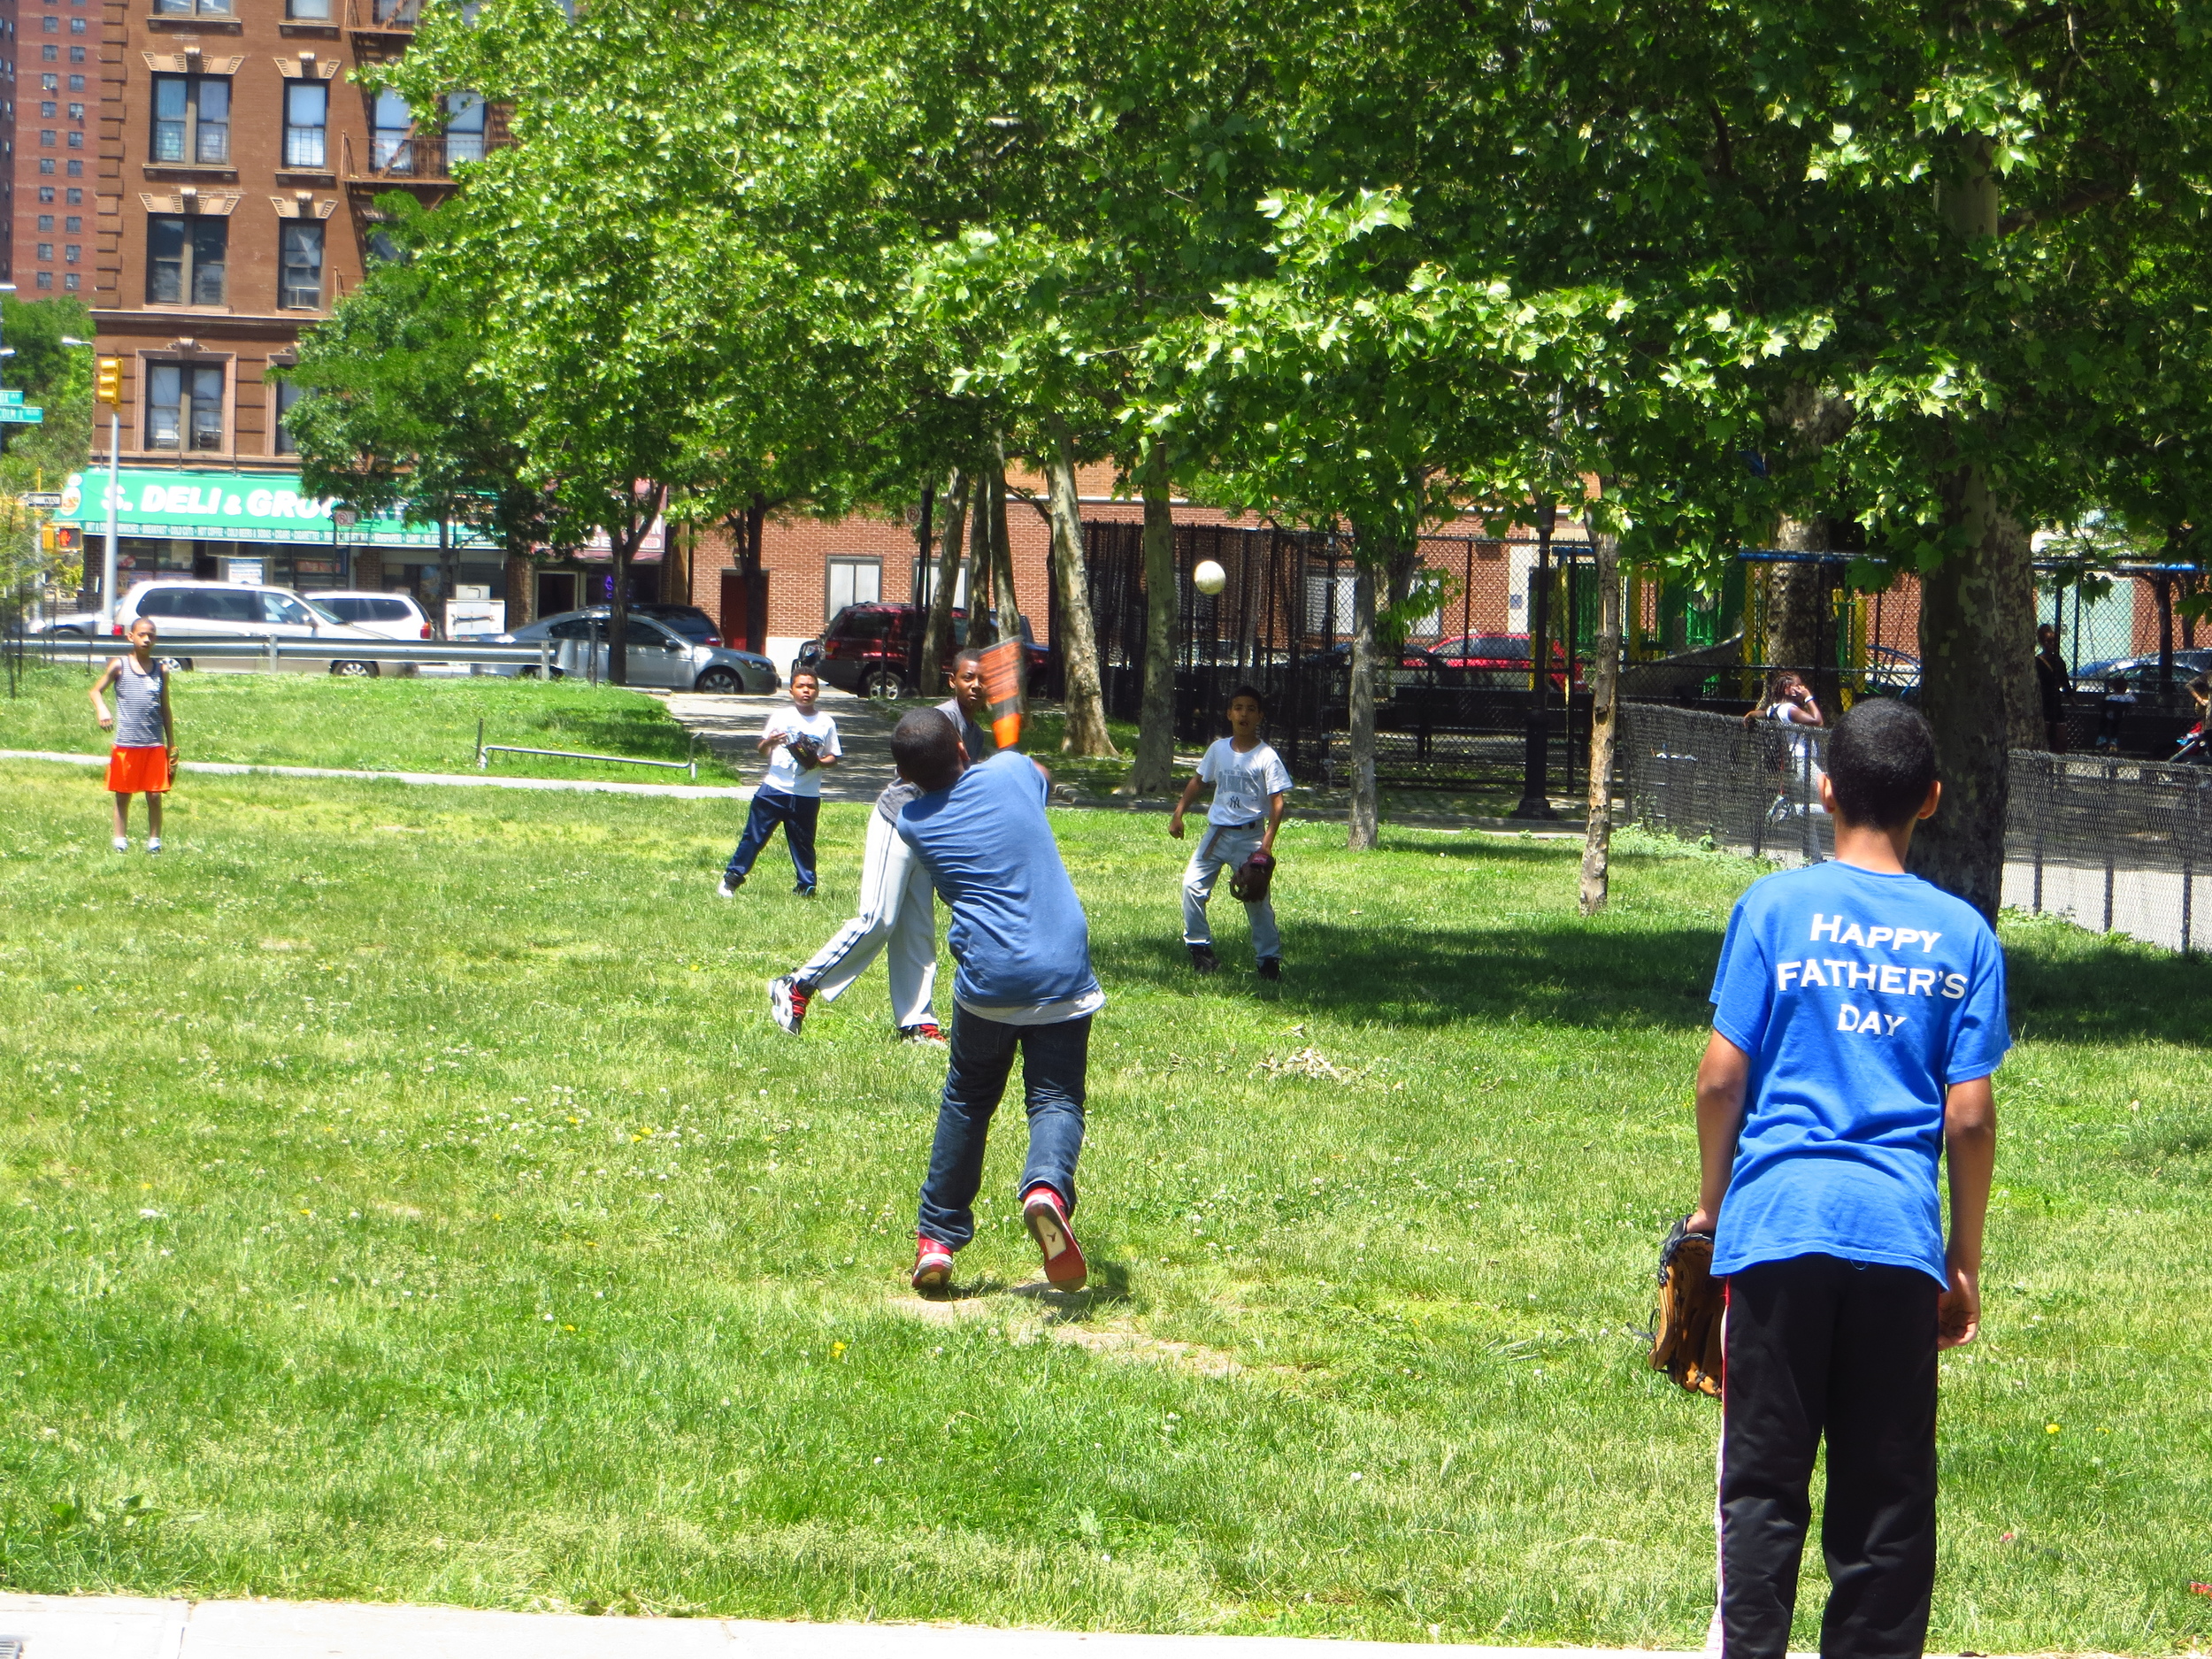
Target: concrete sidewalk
121	1627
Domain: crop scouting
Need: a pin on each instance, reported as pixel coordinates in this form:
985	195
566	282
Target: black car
874	650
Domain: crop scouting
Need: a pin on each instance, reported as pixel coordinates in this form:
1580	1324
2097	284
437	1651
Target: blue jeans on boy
1055	1059
798	814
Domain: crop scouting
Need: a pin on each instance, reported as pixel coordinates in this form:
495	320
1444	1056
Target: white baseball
1209	577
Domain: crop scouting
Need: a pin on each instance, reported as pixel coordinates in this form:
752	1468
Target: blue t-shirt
1861	998
1018	929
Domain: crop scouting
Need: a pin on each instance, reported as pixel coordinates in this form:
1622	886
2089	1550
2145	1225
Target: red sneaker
1047	1219
927	1032
787	999
932	1266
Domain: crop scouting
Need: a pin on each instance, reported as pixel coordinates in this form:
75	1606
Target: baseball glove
805	751
1253	877
1686	1327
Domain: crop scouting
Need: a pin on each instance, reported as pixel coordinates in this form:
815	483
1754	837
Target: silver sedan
655	654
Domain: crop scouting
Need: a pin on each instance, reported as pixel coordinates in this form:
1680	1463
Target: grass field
407	1197
382	724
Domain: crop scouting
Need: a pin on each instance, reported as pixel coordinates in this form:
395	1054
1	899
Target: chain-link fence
2115	845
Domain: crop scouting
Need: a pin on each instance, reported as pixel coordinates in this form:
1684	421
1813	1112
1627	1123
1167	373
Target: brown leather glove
1686	1327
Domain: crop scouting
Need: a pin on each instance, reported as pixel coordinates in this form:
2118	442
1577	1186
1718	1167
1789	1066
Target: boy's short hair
797	675
926	748
1881	760
965	654
1252	692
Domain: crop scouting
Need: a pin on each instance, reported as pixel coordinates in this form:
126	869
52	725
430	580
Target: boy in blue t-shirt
1023	944
1858	1016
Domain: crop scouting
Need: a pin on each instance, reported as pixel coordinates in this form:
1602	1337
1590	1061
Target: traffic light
67	537
107	381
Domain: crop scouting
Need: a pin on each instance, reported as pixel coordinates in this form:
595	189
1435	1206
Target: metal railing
271	649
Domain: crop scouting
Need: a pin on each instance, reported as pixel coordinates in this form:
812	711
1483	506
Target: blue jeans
1054	1062
798	814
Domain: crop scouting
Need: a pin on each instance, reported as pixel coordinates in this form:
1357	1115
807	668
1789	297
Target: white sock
122	844
153	844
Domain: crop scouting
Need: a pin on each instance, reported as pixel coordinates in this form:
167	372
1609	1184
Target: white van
189	610
388	616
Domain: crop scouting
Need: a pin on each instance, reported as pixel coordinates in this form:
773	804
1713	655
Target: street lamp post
1535	794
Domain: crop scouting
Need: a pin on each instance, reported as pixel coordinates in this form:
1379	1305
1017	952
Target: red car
1502	659
872	649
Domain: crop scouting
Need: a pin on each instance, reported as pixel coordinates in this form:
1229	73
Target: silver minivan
653	655
189	610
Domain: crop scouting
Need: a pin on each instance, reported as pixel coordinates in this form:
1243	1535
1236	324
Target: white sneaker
153	844
122	844
726	891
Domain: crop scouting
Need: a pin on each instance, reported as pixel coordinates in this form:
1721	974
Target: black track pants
1818	1346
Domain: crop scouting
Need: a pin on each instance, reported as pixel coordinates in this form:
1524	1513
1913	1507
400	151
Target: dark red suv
874	650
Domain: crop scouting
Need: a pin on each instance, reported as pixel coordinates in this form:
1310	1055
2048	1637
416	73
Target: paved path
459	780
121	1627
731	726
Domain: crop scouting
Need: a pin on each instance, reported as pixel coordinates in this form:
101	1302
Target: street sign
41	498
21	415
9	396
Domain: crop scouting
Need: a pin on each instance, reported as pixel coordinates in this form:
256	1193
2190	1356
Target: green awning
237	507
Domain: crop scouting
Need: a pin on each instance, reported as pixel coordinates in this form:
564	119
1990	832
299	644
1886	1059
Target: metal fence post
2190	832
2054	773
2111	843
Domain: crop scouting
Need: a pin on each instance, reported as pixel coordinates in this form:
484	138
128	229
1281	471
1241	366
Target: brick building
226	189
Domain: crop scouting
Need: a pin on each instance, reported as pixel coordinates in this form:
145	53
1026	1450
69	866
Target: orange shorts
137	771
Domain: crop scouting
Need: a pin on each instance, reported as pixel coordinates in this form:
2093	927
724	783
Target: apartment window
287	395
74	223
46	138
184	407
854	582
76	198
49	25
464	127
76	83
76	141
186	8
192	118
50	83
46	221
306	120
46	279
76	26
184	260
302	248
46	164
76	170
69	250
308	10
388	144
76	53
48	109
46	250
76	110
50	54
69	281
46	193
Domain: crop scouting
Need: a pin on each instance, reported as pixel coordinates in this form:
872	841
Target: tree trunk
982	568
1361	836
620	544
2015	623
1008	606
1076	640
937	634
1963	646
1605	684
1801	620
1155	770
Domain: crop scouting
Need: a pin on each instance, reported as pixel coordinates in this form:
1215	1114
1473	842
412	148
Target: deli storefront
262	527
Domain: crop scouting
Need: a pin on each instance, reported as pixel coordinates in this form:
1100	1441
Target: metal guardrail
275	648
483	750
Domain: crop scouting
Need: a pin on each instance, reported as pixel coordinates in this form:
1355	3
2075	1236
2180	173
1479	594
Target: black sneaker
1202	958
803	892
1270	967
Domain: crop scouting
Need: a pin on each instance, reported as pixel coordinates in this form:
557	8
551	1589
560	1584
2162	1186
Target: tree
398	415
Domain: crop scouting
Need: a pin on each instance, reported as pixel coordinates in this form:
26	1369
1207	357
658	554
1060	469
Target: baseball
1209	577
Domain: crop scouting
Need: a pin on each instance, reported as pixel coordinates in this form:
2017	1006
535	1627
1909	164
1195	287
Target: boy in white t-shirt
1250	785
801	743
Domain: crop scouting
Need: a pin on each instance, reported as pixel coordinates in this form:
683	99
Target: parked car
1502	660
2141	674
189	610
71	625
689	620
388	616
654	654
873	649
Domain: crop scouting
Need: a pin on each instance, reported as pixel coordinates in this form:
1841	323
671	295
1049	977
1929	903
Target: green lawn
381	725
408	1197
